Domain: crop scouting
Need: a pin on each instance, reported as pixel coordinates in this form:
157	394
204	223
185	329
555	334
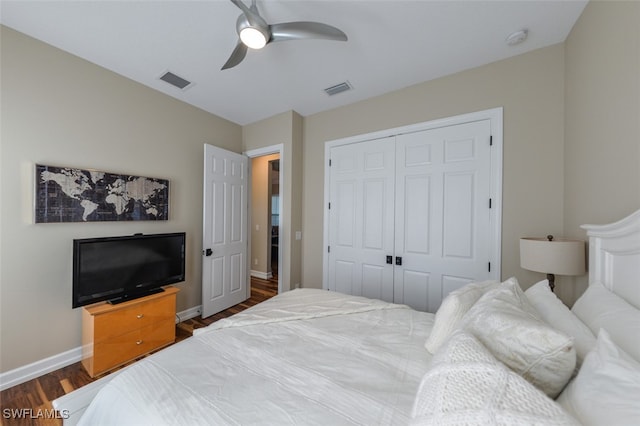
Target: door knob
389	260
398	260
207	252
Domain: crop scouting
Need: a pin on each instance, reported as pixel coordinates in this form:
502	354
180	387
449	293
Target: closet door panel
374	199
361	218
418	235
466	244
417	200
373	281
415	288
344	272
345	213
458	223
442	211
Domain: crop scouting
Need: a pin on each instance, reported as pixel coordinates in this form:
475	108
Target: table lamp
552	256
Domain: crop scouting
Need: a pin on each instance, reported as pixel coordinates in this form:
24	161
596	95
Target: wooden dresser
113	335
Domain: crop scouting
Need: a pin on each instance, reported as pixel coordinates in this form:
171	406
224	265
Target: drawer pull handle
140	316
138	342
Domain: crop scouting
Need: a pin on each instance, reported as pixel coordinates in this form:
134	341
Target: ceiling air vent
338	88
175	80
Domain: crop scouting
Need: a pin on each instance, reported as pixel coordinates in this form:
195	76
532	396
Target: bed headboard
614	256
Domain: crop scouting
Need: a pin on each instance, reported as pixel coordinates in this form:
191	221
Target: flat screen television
118	269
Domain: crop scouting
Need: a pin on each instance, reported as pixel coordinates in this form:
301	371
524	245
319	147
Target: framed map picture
64	194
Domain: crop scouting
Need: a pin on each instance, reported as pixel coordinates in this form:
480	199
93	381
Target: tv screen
123	268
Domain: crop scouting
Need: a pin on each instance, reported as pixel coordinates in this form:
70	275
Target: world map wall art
74	195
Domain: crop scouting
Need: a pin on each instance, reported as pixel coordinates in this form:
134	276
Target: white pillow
557	315
606	391
600	308
506	323
467	385
452	309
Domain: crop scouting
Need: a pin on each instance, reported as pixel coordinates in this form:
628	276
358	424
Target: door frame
283	243
495	115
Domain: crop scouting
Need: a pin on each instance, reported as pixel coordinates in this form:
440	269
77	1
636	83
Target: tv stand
114	334
128	297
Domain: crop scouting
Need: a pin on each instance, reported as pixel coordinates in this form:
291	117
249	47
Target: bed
492	354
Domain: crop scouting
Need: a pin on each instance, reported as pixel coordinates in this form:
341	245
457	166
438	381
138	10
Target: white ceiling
392	44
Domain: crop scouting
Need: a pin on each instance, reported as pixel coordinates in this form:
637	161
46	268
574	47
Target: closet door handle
399	260
389	260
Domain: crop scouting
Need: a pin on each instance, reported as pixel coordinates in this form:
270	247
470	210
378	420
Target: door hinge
489	202
328	249
491	140
329	206
329	162
489	266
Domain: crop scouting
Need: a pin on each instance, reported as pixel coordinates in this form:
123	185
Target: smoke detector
517	37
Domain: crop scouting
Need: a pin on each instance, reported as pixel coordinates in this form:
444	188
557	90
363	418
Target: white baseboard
36	369
261	275
189	313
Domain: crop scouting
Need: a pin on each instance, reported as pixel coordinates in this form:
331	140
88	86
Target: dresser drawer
127	319
117	350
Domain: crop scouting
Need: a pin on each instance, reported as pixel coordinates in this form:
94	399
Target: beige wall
60	110
285	129
530	87
571	129
261	214
602	129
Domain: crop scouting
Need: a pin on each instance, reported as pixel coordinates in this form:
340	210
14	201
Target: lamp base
552	281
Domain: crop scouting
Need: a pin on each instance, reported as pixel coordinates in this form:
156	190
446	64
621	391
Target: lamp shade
561	256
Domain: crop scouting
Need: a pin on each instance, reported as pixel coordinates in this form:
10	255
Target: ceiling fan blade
254	7
302	30
237	56
253	17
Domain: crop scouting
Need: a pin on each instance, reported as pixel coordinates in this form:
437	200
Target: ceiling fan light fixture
253	38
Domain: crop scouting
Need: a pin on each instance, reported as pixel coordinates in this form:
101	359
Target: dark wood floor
36	395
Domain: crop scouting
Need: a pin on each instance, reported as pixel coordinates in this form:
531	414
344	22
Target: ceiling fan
255	33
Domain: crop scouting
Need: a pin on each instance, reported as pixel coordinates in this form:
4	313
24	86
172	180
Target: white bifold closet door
361	218
409	217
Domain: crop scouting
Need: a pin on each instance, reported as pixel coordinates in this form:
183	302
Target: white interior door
361	218
224	240
442	228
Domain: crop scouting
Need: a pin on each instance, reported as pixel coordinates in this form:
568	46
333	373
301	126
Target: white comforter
306	357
